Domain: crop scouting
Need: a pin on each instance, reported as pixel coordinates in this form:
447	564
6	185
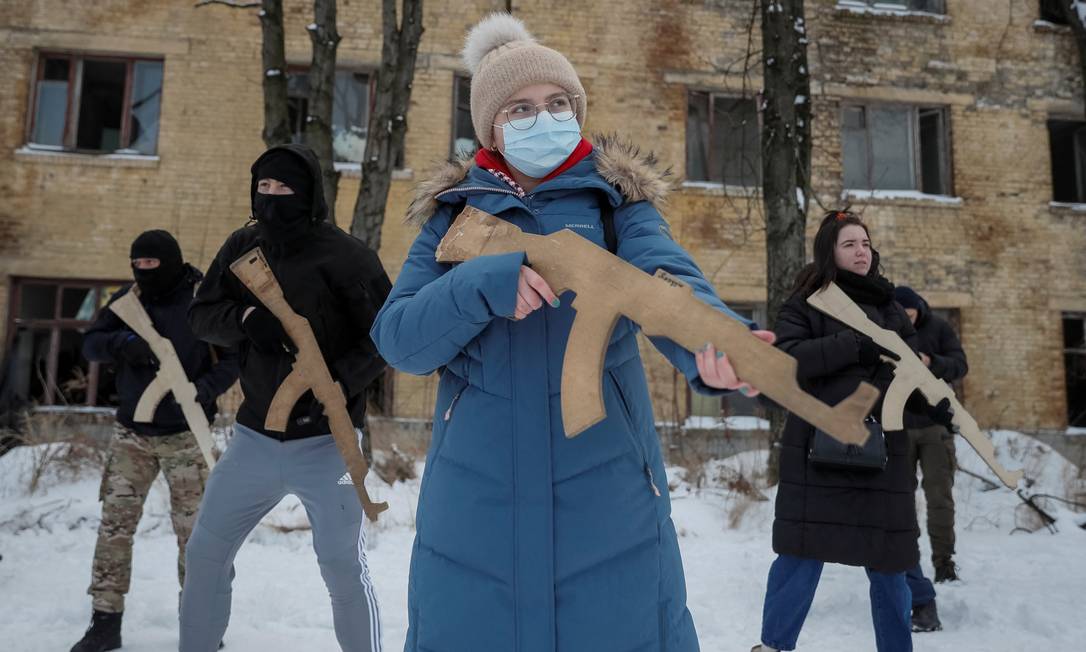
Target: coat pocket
633	432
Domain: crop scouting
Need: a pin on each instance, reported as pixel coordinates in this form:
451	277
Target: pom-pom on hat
504	58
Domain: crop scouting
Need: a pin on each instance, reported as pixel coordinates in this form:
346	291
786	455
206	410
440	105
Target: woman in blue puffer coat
528	541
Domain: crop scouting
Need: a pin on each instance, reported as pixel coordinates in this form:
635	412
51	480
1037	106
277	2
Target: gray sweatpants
254	474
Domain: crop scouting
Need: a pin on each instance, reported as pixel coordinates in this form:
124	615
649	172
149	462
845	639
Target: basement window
44	360
903	148
1074	356
723	141
97	105
1067	144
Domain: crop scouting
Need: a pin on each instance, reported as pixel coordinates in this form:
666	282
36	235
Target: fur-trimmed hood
635	175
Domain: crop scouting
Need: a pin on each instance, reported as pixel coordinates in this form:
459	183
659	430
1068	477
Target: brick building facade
965	123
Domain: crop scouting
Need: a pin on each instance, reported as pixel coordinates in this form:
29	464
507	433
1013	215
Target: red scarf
487	159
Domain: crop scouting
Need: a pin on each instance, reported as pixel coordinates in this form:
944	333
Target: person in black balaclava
138	451
338	284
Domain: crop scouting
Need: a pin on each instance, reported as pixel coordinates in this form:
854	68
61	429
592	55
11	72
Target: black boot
103	634
945	571
926	618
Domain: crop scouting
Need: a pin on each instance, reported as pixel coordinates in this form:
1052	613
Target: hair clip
841	215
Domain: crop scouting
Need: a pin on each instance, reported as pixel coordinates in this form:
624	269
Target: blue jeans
921	587
790	591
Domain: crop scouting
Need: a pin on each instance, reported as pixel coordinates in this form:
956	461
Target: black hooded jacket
330	278
937	339
105	339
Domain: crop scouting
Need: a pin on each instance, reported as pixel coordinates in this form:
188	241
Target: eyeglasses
523	115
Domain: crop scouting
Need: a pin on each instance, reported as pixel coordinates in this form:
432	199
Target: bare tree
786	161
388	122
322	79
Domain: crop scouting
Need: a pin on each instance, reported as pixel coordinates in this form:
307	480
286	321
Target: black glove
265	332
942	414
137	352
869	352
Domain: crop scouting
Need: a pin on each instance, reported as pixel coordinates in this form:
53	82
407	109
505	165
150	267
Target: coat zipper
452	404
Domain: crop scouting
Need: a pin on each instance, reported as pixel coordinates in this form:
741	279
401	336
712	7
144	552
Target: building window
45	340
1074	356
96	104
351	104
1067	142
723	140
463	132
1051	12
889	147
732	404
926	6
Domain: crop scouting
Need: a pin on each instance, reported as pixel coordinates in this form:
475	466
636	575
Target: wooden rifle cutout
608	288
309	373
171	376
910	375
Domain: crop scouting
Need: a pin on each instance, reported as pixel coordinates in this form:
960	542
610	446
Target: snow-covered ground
1019	592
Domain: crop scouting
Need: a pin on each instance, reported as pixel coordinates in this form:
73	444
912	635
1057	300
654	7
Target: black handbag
827	452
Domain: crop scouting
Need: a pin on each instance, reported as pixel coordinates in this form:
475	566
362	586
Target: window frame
75	60
890	5
371	98
457	78
759	313
1065	316
1077	160
56	324
946	150
713	94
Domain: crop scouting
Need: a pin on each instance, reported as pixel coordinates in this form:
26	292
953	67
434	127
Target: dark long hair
823	271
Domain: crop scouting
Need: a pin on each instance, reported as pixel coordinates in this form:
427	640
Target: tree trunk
388	122
322	79
273	58
786	162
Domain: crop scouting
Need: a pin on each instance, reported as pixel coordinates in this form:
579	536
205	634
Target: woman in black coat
825	514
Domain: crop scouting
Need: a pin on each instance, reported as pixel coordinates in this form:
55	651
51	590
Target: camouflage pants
933	449
134	463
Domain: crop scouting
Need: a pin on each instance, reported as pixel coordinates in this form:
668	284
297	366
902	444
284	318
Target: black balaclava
162	280
284	218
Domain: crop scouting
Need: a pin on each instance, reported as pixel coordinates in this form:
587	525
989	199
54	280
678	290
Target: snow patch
903	194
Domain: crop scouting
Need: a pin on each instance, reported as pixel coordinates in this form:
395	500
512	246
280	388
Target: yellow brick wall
1007	260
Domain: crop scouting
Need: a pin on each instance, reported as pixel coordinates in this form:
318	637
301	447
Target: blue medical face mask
539	150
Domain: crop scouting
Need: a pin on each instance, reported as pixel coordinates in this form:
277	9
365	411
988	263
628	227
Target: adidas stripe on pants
254	474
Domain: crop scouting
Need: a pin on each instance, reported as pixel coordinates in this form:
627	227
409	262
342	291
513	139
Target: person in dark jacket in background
139	450
823	514
338	285
931	445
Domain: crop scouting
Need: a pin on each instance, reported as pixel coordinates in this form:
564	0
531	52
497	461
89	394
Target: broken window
44	360
1074	355
887	147
732	404
723	142
926	6
350	112
96	104
463	132
1067	143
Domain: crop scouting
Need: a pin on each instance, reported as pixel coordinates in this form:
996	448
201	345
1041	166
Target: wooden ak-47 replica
607	288
171	375
309	373
910	375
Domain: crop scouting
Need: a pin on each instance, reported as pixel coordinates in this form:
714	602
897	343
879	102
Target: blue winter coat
528	541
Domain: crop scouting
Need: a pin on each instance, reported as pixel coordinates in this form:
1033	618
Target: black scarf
873	289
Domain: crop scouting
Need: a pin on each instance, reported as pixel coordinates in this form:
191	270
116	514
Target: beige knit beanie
504	58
